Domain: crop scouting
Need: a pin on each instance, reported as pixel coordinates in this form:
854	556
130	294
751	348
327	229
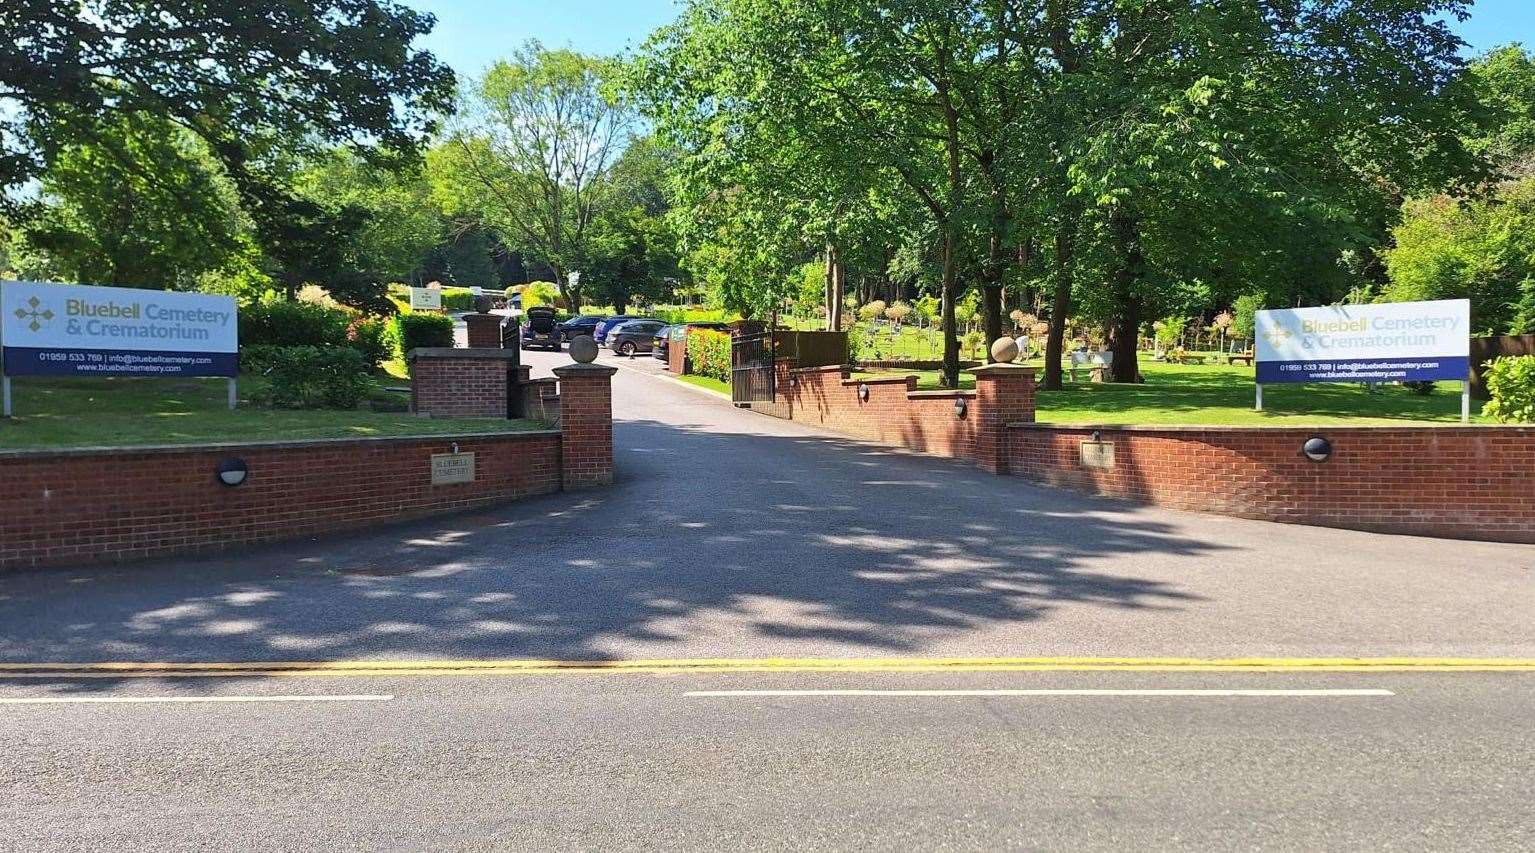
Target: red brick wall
1468	482
586	424
895	412
85	506
447	387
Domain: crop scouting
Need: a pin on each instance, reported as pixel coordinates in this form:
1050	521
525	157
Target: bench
1234	357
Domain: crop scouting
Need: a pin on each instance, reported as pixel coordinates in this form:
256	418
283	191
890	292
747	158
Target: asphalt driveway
732	534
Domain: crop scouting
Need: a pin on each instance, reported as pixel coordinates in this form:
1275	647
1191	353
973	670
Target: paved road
734	535
635	762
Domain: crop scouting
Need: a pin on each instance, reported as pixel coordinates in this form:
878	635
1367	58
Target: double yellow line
684	666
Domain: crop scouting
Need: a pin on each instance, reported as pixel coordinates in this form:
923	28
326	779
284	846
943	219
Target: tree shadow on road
711	545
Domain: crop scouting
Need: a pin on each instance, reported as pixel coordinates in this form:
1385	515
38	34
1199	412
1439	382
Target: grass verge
121	411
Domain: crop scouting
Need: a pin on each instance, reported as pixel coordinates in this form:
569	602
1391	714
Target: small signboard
476	290
425	299
450	468
83	330
1097	454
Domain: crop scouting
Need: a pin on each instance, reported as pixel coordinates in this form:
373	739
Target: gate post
586	425
1004	394
784	388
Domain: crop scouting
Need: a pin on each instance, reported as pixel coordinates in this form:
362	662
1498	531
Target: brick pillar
1004	394
784	389
484	330
586	424
460	383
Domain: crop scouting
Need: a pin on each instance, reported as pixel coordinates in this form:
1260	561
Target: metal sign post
1465	401
5	392
234	393
1258	398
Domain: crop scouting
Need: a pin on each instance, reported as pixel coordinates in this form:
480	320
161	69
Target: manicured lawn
1223	395
70	412
707	382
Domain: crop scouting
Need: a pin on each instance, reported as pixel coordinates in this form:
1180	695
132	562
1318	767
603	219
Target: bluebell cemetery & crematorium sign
1389	342
76	329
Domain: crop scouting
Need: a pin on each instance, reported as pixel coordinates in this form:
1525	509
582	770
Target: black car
633	336
585	324
659	342
540	329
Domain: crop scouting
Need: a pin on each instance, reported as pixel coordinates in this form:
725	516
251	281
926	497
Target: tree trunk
1130	268
1055	342
947	296
837	285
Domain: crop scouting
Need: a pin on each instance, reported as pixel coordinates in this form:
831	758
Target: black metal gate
751	368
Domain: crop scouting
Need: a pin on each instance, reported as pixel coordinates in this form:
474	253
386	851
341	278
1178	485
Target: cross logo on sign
33	304
1278	337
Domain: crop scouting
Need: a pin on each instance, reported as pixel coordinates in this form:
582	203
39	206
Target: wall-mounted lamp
794	380
960	405
232	471
1097	437
1316	449
863	391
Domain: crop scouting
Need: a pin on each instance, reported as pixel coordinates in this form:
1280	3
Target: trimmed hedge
709	352
293	324
413	331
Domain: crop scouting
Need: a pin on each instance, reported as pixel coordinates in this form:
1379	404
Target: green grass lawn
1223	395
72	412
708	382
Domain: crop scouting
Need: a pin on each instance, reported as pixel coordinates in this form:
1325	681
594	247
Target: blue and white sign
1388	342
76	329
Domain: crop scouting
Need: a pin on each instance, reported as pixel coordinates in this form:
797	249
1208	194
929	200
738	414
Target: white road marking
719	694
144	700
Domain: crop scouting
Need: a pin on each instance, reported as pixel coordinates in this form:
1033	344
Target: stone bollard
1004	394
586	424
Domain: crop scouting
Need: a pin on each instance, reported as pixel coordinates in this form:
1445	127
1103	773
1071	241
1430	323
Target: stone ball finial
1004	350
583	350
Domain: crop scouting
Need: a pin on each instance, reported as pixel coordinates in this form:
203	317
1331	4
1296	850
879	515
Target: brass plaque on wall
1097	454
449	468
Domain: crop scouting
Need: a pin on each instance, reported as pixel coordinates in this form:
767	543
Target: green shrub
368	335
1422	389
710	353
414	331
313	377
457	299
293	324
1244	315
1511	382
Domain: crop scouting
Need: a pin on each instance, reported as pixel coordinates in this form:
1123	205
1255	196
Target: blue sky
471	34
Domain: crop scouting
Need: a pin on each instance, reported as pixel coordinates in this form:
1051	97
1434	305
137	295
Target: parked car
633	336
662	338
600	335
585	324
540	330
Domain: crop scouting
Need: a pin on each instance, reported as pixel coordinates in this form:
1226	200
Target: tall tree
302	72
531	154
142	205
